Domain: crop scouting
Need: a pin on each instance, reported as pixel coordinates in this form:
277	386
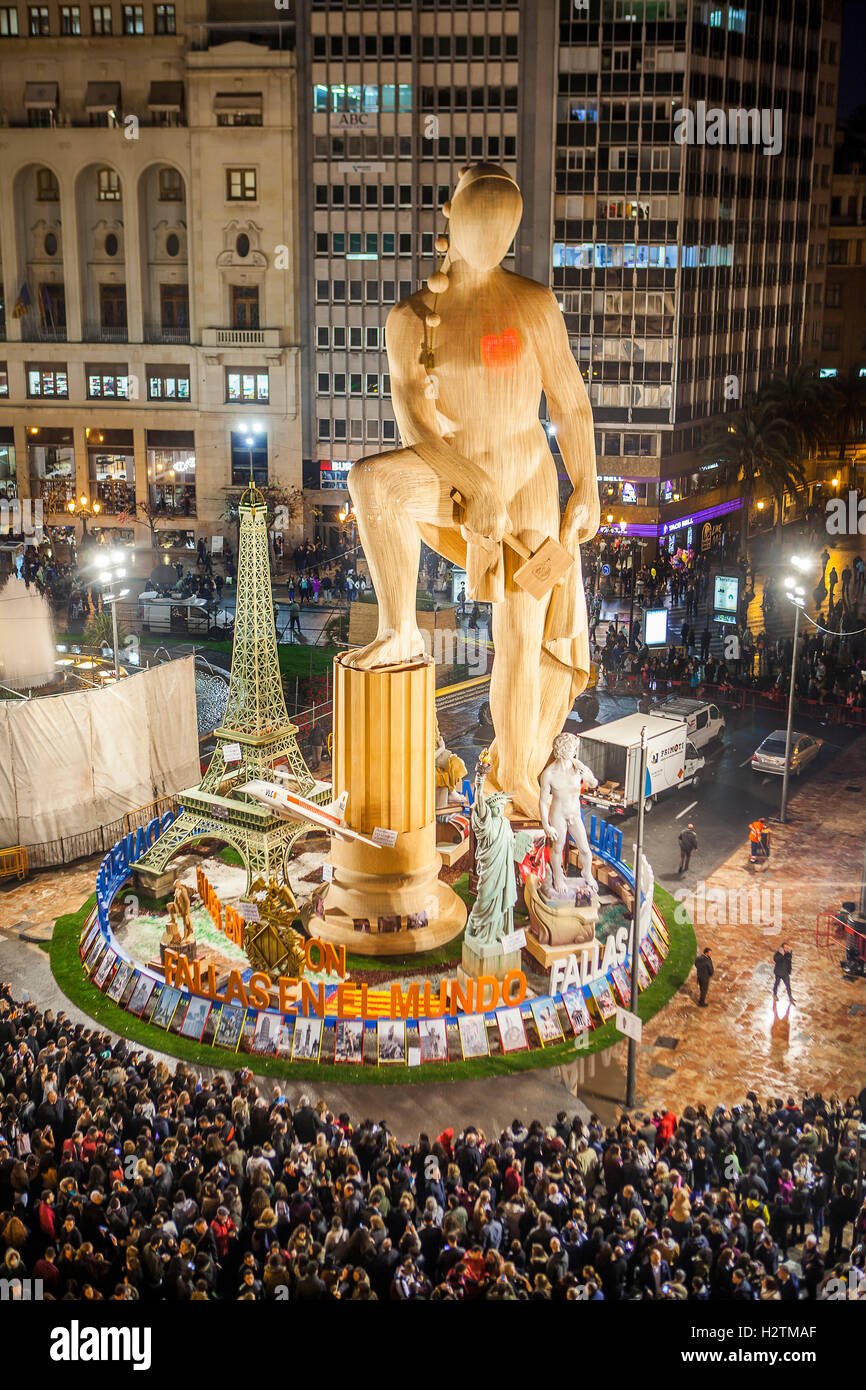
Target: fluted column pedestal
383	757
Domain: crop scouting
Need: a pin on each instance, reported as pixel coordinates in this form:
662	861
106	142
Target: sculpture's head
484	213
496	803
566	748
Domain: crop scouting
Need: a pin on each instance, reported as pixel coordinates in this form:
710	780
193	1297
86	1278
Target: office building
148	245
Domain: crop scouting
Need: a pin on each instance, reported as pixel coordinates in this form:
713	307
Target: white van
703	720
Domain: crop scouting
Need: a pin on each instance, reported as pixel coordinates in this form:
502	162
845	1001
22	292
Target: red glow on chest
500	352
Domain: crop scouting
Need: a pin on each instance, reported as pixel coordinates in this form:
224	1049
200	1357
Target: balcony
241	337
41	333
98	333
159	333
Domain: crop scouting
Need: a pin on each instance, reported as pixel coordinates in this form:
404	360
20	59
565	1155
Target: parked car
770	756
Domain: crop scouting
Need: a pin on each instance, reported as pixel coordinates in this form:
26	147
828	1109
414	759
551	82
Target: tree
100	632
849	408
150	515
799	399
757	444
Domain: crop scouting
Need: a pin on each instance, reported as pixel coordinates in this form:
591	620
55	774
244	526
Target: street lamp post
108	577
83	509
635	921
797	596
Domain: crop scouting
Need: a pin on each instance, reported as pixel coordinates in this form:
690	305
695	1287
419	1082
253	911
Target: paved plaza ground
735	1045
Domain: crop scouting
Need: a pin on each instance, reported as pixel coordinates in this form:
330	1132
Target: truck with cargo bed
613	753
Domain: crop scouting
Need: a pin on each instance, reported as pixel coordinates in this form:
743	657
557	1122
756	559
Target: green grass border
67	971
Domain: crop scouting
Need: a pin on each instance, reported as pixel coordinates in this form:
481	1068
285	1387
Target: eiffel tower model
257	724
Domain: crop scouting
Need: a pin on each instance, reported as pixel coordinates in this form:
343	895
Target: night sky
852	88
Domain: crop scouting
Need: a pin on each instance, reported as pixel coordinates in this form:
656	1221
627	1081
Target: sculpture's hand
484	513
577	525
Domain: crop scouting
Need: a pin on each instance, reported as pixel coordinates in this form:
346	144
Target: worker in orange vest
759	841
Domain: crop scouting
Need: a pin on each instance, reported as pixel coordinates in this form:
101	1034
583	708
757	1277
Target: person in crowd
121	1178
704	970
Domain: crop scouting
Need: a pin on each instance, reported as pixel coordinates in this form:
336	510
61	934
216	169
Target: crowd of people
831	659
121	1179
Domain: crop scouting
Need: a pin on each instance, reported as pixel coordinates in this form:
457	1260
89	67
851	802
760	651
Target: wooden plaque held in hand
542	569
546	567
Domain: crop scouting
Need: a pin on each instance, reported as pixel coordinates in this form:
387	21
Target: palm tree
756	443
849	408
800	399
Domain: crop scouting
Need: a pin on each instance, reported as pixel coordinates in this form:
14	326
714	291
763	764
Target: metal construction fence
97	841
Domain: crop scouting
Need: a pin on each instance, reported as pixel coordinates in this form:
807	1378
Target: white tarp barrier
72	763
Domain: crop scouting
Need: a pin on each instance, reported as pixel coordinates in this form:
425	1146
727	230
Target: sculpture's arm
587	775
545	798
414	393
571	415
480	800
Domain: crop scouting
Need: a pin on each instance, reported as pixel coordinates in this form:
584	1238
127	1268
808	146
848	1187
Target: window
107	383
47	188
70	20
107	186
170	186
163	19
323	383
52	308
45	380
174	310
323	336
133	19
249	453
241	185
8	22
833	297
247	386
38	26
324	429
169	383
4	381
100	19
112	308
238	108
171	472
245	306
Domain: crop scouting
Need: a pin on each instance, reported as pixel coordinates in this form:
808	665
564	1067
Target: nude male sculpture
559	804
469	424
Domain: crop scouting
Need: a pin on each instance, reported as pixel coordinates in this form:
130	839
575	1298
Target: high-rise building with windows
674	159
148	248
843	340
399	96
693	151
